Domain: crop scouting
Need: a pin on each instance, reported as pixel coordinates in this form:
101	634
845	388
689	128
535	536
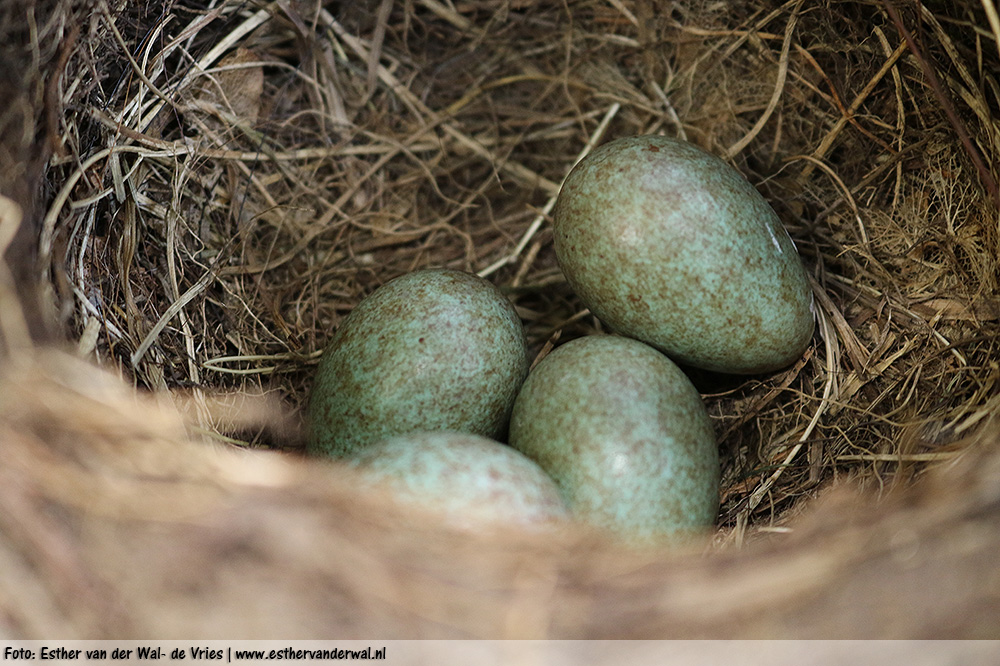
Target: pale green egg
670	245
624	434
472	479
430	350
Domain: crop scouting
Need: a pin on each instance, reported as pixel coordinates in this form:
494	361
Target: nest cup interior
222	186
278	164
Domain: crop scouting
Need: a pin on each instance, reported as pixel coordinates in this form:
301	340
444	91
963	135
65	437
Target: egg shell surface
430	350
670	245
471	478
624	434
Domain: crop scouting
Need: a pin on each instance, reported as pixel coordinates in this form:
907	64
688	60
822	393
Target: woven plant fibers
195	196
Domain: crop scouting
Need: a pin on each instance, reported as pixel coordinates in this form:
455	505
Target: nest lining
230	182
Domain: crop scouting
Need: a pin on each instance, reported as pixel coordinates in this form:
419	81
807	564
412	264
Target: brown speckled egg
670	245
624	434
472	479
430	350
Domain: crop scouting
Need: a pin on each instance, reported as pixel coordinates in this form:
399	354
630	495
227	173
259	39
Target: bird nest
196	197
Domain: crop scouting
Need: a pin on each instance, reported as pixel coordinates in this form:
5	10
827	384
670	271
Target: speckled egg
471	478
668	244
624	434
430	350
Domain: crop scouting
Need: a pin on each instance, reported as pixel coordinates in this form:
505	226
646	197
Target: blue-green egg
670	245
430	350
472	479
624	434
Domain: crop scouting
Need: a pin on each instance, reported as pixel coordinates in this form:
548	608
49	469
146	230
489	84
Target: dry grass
232	182
225	185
